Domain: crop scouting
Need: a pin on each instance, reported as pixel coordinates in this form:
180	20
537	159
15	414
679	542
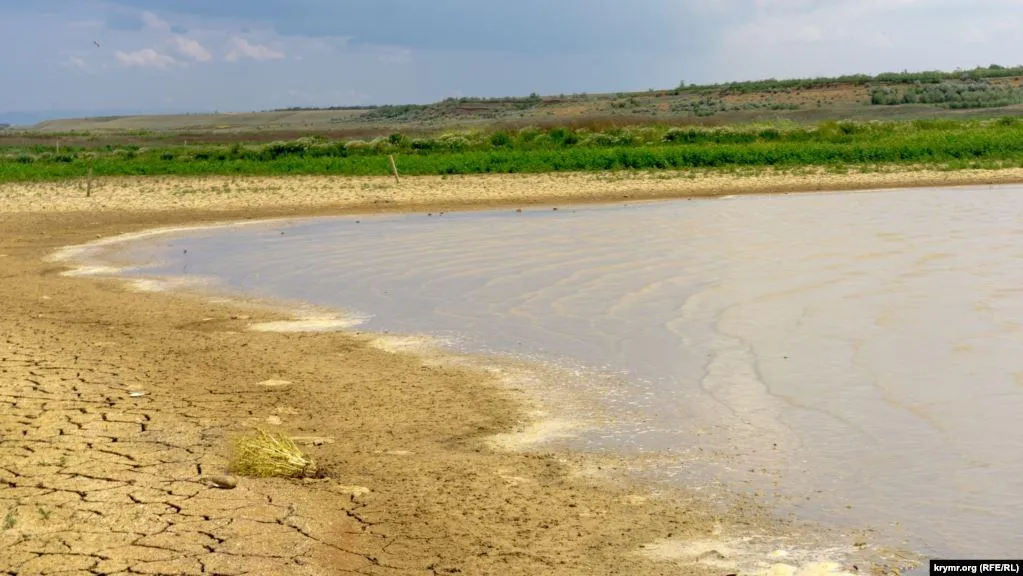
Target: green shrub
831	143
500	139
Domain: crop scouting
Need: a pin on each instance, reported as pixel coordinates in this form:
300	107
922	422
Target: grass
269	455
552	149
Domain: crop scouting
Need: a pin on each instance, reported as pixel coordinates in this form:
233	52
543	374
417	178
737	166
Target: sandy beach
117	405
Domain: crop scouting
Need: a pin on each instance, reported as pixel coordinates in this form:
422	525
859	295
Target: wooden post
58	145
88	183
394	169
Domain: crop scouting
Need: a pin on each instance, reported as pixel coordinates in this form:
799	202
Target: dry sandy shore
97	480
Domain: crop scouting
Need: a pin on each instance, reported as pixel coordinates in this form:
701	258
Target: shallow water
854	358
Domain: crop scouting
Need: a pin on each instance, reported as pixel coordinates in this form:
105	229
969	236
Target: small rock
710	555
274	383
312	440
274	420
351	490
224	482
137	394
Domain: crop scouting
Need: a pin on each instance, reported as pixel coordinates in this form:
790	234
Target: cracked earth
100	480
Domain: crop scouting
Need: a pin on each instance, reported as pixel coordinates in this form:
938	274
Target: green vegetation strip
532	150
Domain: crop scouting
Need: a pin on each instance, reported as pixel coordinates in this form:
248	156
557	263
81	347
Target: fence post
394	169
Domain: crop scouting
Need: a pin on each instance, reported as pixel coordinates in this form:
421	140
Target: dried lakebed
849	358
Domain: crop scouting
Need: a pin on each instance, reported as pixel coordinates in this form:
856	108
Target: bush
500	139
688	135
563	136
970	94
454	142
275	150
423	145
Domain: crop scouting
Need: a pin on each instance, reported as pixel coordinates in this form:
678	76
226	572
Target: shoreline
283	196
409	465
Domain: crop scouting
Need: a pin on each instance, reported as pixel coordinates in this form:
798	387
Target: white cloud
974	35
76	62
153	21
145	58
809	33
850	36
242	48
880	40
192	49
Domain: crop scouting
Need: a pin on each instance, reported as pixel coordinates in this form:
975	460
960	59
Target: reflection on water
856	356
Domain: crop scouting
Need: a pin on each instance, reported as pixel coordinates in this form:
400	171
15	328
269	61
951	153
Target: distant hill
30	118
980	92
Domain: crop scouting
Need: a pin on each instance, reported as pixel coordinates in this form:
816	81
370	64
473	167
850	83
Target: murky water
856	357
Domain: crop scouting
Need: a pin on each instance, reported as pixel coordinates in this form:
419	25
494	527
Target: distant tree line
959	95
904	77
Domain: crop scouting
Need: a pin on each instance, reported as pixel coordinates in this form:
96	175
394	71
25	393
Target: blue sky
238	55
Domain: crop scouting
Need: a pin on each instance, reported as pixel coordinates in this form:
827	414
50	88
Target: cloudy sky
237	55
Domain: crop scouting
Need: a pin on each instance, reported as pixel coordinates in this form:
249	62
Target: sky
243	55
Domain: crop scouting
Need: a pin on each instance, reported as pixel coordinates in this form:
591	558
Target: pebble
274	383
313	440
225	482
711	555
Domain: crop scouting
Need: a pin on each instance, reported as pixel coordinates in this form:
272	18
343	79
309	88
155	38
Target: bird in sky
96	43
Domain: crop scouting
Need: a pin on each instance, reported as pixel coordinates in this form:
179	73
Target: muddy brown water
853	358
